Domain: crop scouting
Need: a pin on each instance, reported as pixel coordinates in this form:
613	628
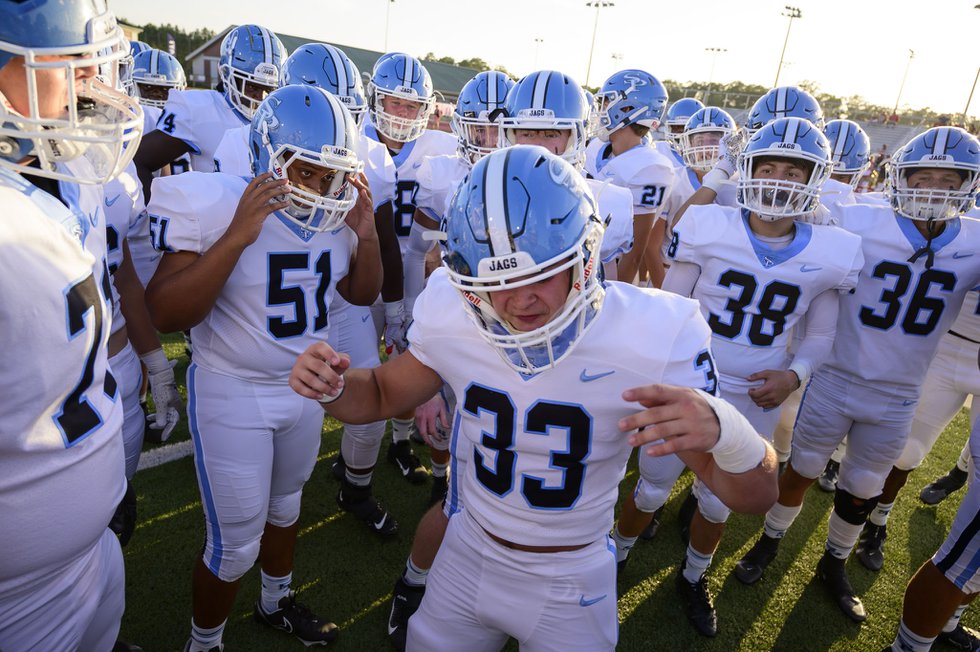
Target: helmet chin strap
927	249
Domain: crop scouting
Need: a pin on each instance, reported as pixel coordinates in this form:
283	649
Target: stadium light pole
537	49
714	59
387	20
904	77
791	13
972	88
598	4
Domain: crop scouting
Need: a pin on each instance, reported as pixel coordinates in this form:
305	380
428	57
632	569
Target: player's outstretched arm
711	437
363	282
362	395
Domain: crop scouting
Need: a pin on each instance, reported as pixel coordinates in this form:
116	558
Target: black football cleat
871	546
828	479
405	601
961	638
360	502
938	490
749	569
650	531
297	619
400	454
697	603
831	573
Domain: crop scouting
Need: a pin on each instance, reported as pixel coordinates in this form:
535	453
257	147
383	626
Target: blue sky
847	47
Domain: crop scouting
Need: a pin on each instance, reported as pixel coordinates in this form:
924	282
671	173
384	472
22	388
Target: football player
631	103
254	283
61	454
943	587
919	262
516	322
678	113
194	121
400	101
329	68
756	273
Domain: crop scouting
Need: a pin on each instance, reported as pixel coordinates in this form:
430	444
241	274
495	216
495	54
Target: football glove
163	389
396	327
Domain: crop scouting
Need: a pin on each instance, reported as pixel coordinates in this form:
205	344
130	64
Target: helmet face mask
678	115
400	98
154	74
949	154
476	133
850	150
552	105
699	143
305	135
59	111
791	141
249	66
502	236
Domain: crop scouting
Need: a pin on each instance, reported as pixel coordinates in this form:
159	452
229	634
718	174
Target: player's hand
679	417
777	386
166	401
361	217
729	148
263	196
318	372
396	327
432	421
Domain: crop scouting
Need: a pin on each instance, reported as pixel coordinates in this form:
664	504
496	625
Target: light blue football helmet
400	77
323	65
476	133
630	97
521	216
250	55
306	123
100	121
783	138
138	47
678	113
547	100
155	68
783	102
698	149
946	148
850	150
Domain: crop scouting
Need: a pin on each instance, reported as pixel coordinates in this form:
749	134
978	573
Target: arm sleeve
681	278
413	259
821	328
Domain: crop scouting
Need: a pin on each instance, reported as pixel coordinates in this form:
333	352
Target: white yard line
164	454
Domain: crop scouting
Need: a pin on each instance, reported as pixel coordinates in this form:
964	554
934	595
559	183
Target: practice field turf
346	573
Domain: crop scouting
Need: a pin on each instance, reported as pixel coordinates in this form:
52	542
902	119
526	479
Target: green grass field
346	573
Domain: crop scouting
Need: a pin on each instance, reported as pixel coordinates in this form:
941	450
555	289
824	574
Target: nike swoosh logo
392	630
110	202
582	602
960	254
365	318
380	524
907	403
586	378
805	269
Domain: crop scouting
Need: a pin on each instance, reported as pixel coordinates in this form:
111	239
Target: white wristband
394	309
326	398
802	372
715	178
739	448
155	361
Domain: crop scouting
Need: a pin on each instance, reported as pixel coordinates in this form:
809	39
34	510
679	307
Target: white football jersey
231	157
438	178
124	212
86	202
615	205
889	328
641	170
834	194
751	295
545	454
200	119
872	198
61	456
151	115
275	303
407	162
